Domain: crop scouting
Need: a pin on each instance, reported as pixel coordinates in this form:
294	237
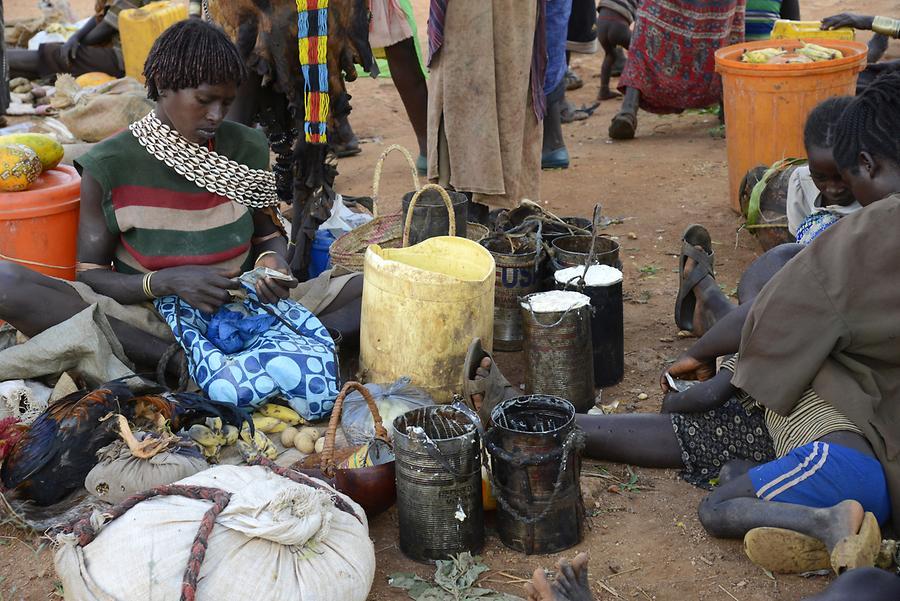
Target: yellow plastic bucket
421	307
766	105
139	28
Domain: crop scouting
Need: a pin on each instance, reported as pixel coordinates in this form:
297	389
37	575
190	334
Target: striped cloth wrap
312	38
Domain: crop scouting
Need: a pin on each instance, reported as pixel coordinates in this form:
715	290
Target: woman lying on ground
818	355
146	231
817	198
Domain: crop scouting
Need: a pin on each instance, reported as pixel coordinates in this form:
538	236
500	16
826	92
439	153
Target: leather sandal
494	388
694	236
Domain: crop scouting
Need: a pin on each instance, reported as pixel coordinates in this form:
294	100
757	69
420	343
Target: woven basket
349	250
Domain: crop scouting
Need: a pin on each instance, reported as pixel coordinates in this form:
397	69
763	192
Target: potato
310	431
288	435
320	444
304	444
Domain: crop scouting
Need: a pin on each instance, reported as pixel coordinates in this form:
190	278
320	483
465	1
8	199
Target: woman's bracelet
148	292
263	254
886	26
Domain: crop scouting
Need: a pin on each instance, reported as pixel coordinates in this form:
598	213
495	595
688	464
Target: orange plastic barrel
39	226
766	105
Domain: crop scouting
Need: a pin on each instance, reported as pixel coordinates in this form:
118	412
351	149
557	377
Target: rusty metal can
516	262
558	350
535	448
438	467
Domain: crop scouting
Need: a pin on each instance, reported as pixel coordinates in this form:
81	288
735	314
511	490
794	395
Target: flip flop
623	126
858	550
494	388
694	236
784	551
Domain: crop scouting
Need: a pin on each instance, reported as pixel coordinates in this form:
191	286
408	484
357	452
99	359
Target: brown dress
831	319
480	118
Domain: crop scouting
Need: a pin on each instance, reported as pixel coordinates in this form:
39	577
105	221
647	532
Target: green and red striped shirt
162	219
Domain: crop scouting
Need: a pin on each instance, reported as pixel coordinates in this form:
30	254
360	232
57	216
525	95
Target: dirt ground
646	543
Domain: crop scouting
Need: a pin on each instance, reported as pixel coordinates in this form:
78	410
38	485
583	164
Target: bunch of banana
761	56
253	445
819	53
212	437
271	418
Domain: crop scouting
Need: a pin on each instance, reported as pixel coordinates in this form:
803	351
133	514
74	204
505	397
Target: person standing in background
762	14
554	154
486	100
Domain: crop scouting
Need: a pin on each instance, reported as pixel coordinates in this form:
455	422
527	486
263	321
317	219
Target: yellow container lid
804	30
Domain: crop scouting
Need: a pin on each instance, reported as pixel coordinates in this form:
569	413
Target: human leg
554	154
763	269
21	290
343	313
864	584
624	124
613	438
412	87
23	63
613	33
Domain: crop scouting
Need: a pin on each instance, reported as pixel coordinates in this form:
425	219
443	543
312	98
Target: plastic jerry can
139	28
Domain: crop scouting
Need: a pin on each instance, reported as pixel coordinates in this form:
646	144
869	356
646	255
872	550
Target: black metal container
516	261
558	352
607	327
438	467
430	216
574	250
535	450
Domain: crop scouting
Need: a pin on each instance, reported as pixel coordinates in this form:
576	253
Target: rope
35	263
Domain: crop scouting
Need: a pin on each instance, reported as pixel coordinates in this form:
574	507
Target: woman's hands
687	368
271	290
205	288
848	20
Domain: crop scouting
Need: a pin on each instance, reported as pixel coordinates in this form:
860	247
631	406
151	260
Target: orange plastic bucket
766	105
39	226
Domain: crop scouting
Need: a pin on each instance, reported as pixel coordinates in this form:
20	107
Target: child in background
614	19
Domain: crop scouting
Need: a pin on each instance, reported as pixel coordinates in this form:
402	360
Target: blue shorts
820	474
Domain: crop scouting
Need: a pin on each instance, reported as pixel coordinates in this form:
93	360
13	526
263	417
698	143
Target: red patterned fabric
671	59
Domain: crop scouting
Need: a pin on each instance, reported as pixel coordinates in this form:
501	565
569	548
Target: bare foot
571	582
483	371
841	521
607	94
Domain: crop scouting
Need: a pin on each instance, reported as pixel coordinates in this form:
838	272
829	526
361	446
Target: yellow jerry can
139	28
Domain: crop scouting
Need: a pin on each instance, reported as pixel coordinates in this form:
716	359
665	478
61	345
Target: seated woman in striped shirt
179	205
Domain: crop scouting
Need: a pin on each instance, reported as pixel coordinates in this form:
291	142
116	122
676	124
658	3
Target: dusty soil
673	174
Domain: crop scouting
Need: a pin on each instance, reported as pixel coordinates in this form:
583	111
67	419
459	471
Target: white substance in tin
460	514
597	275
555	301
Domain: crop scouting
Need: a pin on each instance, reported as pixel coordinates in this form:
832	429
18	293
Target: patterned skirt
671	59
711	439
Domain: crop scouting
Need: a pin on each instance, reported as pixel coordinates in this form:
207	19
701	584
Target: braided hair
871	124
189	54
821	125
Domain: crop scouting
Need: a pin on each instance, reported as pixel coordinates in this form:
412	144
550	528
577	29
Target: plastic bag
392	401
120	474
342	219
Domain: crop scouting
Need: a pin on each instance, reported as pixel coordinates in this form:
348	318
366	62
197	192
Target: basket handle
328	465
379	165
412	204
595	226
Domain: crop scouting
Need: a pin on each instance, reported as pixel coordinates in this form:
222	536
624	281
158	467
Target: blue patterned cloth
298	366
810	228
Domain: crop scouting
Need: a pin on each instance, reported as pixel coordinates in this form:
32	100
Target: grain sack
120	474
276	540
102	111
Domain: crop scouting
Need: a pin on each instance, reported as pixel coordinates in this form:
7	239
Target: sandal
494	388
694	236
858	550
573	82
784	551
623	126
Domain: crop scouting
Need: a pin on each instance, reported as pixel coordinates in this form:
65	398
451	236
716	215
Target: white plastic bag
392	401
342	219
277	540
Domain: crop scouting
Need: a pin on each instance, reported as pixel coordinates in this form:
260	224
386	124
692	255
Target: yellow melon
19	167
48	150
94	78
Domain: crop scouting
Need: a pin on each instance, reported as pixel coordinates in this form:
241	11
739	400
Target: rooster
46	461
